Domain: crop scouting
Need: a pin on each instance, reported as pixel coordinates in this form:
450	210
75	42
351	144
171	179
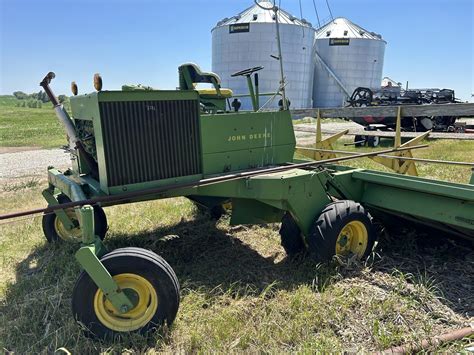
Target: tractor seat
190	75
212	93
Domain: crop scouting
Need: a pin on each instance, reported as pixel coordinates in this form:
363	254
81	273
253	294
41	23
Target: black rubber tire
373	141
326	228
216	212
359	141
100	222
142	262
290	236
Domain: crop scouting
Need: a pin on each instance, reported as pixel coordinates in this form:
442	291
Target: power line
329	8
316	11
301	15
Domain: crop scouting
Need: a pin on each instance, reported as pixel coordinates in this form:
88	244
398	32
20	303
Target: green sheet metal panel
432	200
143	136
299	191
246	140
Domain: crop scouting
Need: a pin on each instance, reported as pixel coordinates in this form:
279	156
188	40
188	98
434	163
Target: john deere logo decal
253	136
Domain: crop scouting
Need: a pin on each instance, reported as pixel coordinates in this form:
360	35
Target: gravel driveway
31	163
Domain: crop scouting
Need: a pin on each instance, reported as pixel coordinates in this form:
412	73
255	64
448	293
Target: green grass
32	127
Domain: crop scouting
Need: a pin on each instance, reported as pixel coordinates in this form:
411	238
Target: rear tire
291	238
359	141
147	276
215	212
54	231
343	228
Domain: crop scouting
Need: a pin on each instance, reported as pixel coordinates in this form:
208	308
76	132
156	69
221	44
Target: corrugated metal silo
347	56
248	39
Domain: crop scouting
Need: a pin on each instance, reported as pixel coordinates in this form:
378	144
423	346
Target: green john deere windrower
141	144
135	145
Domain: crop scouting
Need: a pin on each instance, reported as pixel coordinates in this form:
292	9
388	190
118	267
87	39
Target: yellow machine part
321	143
353	238
225	93
399	165
135	318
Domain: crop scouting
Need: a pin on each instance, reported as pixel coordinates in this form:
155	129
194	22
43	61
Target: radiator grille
150	140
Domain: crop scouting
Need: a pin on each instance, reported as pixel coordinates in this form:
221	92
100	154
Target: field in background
32	127
239	291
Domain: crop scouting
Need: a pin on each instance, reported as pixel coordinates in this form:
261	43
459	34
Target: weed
28	184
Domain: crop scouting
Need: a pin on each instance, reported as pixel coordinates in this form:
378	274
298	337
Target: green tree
63	98
20	95
43	96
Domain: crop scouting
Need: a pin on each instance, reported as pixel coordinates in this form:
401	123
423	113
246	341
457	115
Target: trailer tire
290	236
343	228
373	141
149	278
359	141
52	227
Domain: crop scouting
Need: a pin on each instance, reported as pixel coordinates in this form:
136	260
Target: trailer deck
356	130
375	113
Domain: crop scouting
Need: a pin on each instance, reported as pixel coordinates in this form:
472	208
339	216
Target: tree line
36	99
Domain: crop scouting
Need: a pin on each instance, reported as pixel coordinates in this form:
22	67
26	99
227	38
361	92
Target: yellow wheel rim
353	238
137	288
63	232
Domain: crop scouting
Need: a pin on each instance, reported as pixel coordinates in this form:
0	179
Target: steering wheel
246	72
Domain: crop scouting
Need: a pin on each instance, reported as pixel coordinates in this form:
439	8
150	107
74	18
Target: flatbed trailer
308	128
380	121
377	114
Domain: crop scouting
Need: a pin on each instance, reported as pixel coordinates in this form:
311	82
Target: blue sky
430	42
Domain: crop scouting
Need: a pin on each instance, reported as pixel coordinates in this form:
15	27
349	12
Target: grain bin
346	57
249	38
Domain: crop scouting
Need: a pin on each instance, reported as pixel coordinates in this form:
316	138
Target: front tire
141	273
55	231
343	228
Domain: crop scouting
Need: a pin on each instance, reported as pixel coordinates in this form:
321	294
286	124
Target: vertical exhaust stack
61	113
74	142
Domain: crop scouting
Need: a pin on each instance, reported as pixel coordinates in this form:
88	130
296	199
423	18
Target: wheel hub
352	239
68	234
140	292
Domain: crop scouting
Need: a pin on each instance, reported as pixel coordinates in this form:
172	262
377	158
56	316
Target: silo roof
256	14
343	28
